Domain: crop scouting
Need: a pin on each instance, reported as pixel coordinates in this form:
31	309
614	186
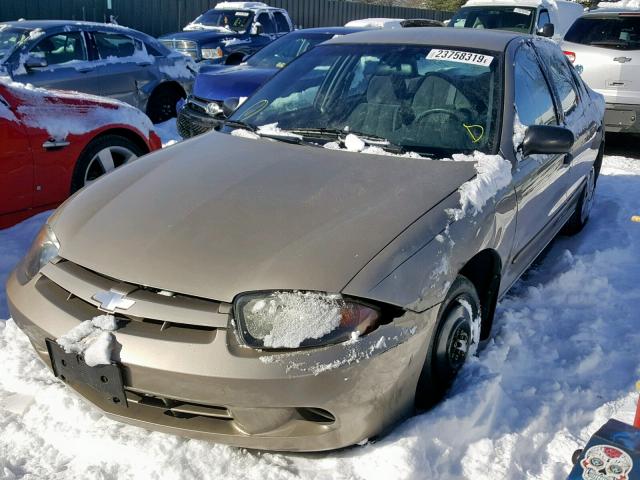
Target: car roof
49	24
494	40
332	30
612	11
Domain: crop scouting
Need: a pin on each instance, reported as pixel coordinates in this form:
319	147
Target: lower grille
191	122
177	408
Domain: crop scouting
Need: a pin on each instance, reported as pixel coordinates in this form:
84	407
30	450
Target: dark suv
230	29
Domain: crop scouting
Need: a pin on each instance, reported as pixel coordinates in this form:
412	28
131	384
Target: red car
53	143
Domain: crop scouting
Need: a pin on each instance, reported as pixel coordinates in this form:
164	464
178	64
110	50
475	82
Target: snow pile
286	319
494	174
42	109
195	26
243	133
182	67
229	42
92	339
519	132
626	4
375	23
168	132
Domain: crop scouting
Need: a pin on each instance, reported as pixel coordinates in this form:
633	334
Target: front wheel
101	156
456	339
162	103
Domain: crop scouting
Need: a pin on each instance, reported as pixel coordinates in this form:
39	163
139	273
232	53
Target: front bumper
203	384
622	118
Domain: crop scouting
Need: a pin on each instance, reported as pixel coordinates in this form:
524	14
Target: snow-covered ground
563	359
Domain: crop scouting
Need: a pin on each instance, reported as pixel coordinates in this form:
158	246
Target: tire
581	214
102	155
162	103
457	337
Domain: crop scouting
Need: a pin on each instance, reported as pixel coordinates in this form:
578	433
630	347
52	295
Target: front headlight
275	320
211	53
44	248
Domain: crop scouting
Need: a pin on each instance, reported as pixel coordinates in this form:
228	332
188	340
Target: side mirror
546	139
34	61
256	28
229	105
547	30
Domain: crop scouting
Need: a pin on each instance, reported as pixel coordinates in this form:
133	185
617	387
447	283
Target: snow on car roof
509	3
495	40
243	6
376	23
617	6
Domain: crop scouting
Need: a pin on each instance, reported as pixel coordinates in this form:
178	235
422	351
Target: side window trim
552	90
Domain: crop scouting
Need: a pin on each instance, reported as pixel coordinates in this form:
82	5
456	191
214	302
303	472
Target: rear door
123	65
540	181
67	66
607	51
16	161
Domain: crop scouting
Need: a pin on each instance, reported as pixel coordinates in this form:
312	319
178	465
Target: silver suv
605	46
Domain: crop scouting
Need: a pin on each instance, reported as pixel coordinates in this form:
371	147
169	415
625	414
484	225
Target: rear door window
267	24
61	48
616	32
281	22
115	45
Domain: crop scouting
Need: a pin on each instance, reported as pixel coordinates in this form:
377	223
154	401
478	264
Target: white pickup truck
547	18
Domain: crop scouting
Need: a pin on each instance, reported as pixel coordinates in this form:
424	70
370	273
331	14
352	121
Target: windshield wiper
318	132
239	124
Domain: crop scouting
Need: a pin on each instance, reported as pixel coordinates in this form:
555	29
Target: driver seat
379	114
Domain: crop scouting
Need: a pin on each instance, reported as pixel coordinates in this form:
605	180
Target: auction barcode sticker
458	56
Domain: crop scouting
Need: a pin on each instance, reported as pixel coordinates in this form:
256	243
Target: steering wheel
436	111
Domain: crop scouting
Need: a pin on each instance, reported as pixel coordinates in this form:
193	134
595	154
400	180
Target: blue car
216	83
231	29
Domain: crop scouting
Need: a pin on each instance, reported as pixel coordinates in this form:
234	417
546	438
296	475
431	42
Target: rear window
619	33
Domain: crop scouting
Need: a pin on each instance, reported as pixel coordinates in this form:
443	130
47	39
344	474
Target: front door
541	181
67	64
16	161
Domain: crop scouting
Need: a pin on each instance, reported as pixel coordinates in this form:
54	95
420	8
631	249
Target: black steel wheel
456	338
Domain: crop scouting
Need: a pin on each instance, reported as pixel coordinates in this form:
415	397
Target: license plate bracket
71	367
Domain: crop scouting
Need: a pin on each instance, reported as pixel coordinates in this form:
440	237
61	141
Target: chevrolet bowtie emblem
111	300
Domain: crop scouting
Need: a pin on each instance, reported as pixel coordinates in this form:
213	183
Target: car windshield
620	32
9	38
232	20
514	19
418	98
279	53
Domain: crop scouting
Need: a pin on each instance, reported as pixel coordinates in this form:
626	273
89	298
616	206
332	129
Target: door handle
85	69
53	144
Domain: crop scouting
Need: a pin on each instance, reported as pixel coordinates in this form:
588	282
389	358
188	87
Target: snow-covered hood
262	215
226	82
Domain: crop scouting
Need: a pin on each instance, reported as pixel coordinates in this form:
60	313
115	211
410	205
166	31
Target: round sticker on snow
461	57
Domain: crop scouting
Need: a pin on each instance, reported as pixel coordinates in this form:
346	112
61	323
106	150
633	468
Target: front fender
416	269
